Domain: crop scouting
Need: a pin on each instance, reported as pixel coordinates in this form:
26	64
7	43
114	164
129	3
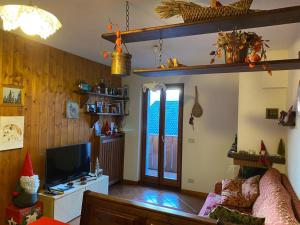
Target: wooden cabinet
110	152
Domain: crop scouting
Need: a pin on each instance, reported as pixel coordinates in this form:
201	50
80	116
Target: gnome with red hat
264	155
27	187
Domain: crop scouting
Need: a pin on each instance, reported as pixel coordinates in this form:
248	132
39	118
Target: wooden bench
98	209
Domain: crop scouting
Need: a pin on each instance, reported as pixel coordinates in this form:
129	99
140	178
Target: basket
192	13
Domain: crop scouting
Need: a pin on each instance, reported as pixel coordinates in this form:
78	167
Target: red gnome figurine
27	187
264	155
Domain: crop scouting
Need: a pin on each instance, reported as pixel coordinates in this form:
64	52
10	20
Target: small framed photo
272	113
11	95
72	110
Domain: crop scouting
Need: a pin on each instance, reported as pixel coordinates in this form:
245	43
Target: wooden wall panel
48	76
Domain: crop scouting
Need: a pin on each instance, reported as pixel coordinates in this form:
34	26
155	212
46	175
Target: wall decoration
11	95
11	132
288	118
72	111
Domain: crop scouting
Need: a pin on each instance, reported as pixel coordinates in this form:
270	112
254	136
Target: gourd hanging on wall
197	110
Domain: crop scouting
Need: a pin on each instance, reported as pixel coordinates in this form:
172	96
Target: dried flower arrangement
240	47
121	62
118	43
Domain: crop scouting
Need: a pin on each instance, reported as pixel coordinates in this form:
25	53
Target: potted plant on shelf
121	62
240	47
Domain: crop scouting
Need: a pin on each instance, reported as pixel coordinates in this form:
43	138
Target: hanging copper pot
121	64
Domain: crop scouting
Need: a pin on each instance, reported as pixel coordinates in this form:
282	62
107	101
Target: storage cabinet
110	152
67	206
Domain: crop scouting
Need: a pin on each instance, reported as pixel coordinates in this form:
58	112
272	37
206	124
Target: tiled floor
160	197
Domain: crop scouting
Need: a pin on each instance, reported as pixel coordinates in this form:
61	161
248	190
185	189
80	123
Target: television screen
67	163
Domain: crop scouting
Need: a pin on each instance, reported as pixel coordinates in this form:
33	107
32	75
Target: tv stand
67	206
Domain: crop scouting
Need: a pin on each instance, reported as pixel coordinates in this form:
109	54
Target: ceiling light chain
127	15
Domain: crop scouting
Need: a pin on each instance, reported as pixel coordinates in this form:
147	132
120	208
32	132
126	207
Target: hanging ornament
121	62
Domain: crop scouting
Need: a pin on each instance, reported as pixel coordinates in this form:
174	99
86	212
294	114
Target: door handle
163	139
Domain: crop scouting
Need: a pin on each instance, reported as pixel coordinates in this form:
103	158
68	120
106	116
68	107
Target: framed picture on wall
72	111
11	132
11	95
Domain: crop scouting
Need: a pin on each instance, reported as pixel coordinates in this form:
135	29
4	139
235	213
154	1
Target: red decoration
21	216
105	55
263	148
15	194
47	221
264	158
106	129
27	167
109	26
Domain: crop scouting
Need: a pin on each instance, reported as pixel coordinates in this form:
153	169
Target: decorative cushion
212	201
233	216
295	201
240	193
274	202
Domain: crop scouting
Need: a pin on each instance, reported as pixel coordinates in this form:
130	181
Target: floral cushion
240	193
233	216
295	201
274	202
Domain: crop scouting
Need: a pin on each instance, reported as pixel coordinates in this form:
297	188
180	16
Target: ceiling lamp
30	19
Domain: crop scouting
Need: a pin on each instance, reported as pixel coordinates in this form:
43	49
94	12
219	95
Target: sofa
277	202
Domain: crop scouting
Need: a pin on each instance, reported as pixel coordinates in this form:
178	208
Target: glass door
162	136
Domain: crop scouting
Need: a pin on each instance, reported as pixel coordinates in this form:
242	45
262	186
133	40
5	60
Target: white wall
258	91
204	161
293	154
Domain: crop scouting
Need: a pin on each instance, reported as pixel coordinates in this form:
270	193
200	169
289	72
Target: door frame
160	180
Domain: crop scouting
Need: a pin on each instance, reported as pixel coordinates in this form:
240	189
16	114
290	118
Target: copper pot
121	64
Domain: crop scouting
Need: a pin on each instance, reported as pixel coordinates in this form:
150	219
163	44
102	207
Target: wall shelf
107	114
288	64
85	95
252	20
102	95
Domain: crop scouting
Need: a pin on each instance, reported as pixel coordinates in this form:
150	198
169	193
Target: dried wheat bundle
172	8
192	12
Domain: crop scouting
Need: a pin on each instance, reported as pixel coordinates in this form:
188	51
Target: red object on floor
16	216
47	221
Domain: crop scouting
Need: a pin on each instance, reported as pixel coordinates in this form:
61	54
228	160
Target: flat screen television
67	163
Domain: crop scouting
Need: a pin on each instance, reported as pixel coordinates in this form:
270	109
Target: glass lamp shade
30	19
